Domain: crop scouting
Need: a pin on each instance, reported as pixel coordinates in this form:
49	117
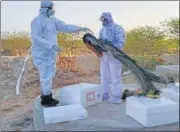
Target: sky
17	15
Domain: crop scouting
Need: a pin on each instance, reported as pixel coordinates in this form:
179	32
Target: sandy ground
16	111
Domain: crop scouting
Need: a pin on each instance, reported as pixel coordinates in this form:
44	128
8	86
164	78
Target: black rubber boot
48	101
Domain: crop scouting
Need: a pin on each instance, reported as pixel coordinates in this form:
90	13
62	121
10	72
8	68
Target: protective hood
45	4
108	16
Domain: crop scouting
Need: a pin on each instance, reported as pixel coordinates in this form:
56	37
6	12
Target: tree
143	40
171	27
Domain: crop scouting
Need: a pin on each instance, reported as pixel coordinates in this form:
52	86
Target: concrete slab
108	117
39	121
101	117
38	116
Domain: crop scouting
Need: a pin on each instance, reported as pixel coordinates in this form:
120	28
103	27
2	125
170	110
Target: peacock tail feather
144	77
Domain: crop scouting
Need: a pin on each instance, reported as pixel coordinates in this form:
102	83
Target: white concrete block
171	93
152	112
83	93
60	114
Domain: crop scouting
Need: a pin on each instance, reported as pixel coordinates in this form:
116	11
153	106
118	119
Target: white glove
85	29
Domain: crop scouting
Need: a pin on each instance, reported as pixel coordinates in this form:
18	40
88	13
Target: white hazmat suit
110	67
44	29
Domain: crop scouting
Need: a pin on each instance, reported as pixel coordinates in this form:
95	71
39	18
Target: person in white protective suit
110	67
44	29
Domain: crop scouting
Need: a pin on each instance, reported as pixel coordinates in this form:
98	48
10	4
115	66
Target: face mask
51	12
105	22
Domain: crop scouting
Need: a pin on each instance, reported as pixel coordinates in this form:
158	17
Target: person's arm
39	41
119	37
63	27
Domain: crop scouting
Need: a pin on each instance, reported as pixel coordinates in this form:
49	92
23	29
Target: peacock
143	76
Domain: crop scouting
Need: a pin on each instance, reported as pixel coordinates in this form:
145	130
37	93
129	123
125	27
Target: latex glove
56	48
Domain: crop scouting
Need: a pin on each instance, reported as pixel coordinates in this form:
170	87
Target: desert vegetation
145	44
